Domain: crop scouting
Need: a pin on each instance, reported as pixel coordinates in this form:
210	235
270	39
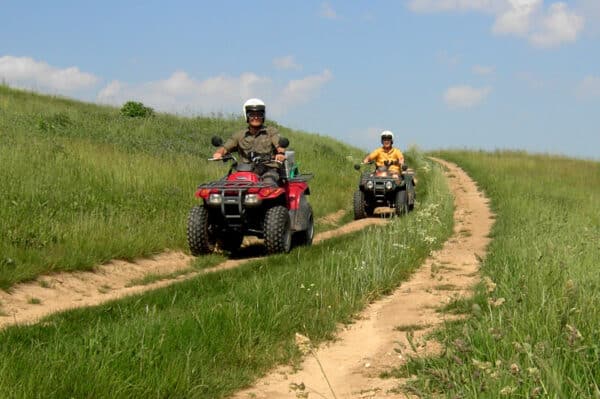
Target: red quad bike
380	188
242	204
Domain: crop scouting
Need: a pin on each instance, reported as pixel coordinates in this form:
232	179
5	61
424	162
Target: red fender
294	193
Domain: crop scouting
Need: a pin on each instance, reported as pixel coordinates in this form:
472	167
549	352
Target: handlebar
224	158
261	159
257	159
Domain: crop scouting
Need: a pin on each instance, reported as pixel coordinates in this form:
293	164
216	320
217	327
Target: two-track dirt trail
350	367
352	364
28	302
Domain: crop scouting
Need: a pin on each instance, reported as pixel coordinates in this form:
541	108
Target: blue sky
476	74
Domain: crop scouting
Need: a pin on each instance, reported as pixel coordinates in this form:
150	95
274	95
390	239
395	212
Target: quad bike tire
277	230
305	237
360	206
201	238
401	203
412	197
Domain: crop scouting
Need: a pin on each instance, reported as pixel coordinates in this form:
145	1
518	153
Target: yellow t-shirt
380	155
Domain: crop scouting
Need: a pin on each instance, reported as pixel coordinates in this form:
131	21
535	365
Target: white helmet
386	134
254	104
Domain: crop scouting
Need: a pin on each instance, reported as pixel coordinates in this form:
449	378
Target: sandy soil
28	302
350	366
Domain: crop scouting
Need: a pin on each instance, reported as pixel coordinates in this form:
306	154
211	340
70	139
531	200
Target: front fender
295	191
300	216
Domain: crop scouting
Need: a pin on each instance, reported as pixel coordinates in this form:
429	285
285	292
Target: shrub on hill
134	109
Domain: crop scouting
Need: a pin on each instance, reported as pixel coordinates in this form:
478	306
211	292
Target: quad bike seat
244	167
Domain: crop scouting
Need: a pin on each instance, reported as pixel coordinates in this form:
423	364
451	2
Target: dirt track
352	364
349	368
28	302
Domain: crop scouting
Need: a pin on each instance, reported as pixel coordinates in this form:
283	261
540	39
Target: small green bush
54	122
134	109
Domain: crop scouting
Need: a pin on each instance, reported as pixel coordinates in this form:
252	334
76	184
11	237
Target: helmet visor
256	114
386	137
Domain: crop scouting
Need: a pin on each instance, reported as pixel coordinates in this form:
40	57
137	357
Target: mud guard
299	216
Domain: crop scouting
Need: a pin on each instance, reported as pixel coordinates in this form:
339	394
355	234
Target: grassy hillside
206	337
534	329
82	184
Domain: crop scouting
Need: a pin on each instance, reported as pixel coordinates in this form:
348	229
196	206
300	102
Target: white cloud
183	93
286	62
455	5
559	25
28	73
179	92
589	88
483	70
465	96
302	90
326	11
542	26
112	90
516	18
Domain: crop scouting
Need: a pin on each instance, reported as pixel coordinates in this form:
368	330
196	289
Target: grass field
534	326
214	334
82	185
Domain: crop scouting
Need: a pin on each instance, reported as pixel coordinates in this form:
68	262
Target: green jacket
264	142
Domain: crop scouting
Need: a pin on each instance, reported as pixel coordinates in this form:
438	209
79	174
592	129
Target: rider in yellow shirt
386	155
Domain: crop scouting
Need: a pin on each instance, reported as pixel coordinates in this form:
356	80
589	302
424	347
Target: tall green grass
207	337
534	329
82	184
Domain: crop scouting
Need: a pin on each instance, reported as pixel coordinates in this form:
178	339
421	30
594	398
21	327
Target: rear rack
304	177
244	184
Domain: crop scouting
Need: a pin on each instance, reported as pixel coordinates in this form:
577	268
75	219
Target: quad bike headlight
252	199
369	184
215	199
389	185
